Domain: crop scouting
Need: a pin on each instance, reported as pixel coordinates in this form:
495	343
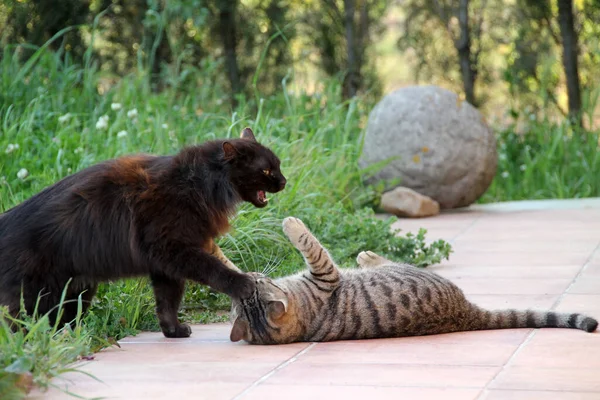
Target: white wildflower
78	150
505	174
22	174
165	126
69	170
64	118
102	122
11	147
502	156
122	134
133	113
116	106
523	167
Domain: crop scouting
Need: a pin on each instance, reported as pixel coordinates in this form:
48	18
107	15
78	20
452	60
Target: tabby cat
132	216
380	299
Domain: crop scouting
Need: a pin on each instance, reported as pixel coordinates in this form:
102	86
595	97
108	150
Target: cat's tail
507	319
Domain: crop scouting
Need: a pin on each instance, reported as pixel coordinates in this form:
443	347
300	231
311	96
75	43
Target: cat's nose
282	183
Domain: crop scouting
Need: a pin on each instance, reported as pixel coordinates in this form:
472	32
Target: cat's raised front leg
168	293
368	259
322	268
218	253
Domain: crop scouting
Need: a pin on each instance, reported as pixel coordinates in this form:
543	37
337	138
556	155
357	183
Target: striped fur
380	299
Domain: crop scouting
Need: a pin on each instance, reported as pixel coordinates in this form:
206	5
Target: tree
227	29
462	21
570	52
37	21
344	32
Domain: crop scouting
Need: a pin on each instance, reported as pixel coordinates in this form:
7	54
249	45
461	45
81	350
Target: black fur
134	216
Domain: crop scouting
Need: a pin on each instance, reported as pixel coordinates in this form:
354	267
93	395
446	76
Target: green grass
546	160
32	351
52	124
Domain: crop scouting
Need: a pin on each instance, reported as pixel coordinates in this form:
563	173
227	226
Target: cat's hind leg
320	264
168	293
369	259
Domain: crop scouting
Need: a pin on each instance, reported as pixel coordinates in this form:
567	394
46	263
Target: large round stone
442	145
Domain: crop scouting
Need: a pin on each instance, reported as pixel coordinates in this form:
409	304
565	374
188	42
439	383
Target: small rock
405	202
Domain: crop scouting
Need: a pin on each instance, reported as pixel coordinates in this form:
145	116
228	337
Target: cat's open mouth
261	195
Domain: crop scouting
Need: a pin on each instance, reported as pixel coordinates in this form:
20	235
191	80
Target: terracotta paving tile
538	395
297	392
586	284
521	271
567	351
582	303
592	269
383	375
465	244
200	333
430	351
492	337
487	233
518	301
500	258
544	379
202	351
552	338
511	285
156	390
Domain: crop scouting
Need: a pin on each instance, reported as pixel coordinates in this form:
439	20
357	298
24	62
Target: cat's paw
244	288
294	229
178	331
369	259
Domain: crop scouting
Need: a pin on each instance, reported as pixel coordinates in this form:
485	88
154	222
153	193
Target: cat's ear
229	151
277	308
248	134
239	331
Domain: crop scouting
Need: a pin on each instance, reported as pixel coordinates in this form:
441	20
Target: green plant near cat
32	351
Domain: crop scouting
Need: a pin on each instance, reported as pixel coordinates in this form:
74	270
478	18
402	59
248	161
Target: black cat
135	216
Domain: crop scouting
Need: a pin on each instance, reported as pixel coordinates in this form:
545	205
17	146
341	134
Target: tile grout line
581	271
465	229
512	356
274	370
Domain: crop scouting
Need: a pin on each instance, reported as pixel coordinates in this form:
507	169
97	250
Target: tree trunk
352	80
227	31
570	52
463	46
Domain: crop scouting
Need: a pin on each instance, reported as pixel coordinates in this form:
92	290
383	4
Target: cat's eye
267	172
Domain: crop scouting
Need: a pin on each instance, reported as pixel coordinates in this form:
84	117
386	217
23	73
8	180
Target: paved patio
535	254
